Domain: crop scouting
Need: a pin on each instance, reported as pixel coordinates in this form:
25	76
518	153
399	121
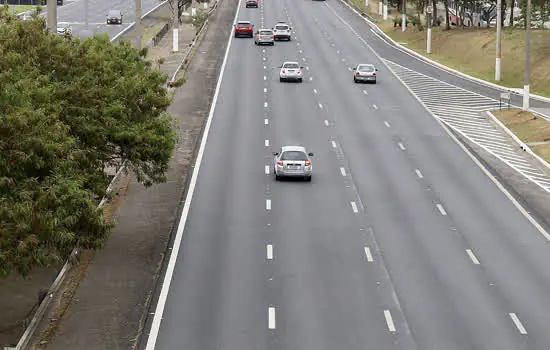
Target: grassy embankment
472	50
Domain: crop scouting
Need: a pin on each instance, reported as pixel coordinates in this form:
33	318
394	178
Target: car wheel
308	178
300	80
375	81
354	80
277	177
281	80
272	44
289	38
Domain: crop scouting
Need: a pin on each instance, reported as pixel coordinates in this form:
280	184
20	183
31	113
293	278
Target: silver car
292	161
364	73
290	71
264	36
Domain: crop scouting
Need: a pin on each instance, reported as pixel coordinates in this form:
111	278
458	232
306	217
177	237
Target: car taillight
308	162
280	162
272	36
374	73
283	70
298	71
356	73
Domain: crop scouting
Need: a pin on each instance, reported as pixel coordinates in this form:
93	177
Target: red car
244	28
252	3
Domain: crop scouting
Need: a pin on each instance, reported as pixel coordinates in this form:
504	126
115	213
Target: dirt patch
529	128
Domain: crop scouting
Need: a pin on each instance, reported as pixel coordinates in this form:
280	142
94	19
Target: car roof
290	62
243	22
281	24
293	148
365	64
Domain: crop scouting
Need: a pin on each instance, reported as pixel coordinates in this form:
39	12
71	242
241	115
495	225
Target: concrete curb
415	54
521	144
193	44
74	256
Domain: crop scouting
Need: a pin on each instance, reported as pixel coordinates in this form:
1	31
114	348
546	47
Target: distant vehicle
290	71
244	28
364	73
292	161
65	30
282	31
114	17
26	17
252	3
264	36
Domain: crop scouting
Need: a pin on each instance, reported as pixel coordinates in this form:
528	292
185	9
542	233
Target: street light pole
175	30
404	17
138	24
429	10
499	34
526	73
52	15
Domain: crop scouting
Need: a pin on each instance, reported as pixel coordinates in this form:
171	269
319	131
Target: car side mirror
290	28
377	69
354	68
310	154
301	67
275	153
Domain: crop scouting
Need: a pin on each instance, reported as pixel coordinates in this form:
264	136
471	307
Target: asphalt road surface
74	13
399	242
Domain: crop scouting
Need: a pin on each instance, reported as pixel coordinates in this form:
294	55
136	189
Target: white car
290	71
364	73
282	31
292	161
64	30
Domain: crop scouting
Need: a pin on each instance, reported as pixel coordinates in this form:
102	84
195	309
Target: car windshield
281	27
291	65
293	155
114	13
266	32
367	69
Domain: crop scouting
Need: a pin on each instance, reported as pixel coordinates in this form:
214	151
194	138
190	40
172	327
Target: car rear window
281	27
266	32
294	155
243	24
367	69
291	65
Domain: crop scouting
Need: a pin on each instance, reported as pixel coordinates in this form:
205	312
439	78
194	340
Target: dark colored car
244	28
114	17
252	3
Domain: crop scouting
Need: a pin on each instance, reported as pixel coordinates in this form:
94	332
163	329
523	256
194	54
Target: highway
401	241
74	14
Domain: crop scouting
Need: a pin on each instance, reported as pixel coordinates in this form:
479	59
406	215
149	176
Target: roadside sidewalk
104	301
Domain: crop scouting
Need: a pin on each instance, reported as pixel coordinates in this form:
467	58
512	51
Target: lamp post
499	33
429	11
526	73
404	16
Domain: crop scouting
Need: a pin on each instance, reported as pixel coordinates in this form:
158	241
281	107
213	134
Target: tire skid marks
461	109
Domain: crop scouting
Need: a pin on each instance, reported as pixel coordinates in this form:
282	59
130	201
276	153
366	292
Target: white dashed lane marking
269	251
441	209
265	104
314	91
472	256
343	171
266	121
368	254
326	122
461	110
354	207
320	106
266	169
389	321
518	323
387	124
267	143
419	174
375	106
333	144
271	318
268	204
401	146
365	92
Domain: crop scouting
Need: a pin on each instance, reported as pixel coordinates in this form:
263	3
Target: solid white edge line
343	171
441	209
368	254
354	207
472	256
389	320
517	322
452	136
271	318
268	204
333	144
419	174
165	289
266	170
269	252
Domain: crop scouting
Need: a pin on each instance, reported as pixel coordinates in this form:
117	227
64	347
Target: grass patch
150	32
472	51
528	128
15	9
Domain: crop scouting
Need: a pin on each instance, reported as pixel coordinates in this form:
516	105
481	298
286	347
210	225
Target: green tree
68	109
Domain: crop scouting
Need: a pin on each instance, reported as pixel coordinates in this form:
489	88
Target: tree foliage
68	110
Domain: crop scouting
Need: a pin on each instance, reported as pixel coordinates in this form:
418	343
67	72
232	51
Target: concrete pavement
412	246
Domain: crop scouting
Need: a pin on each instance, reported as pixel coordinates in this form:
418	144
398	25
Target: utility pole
404	16
526	73
86	13
175	29
138	24
429	11
385	10
51	7
380	6
499	34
